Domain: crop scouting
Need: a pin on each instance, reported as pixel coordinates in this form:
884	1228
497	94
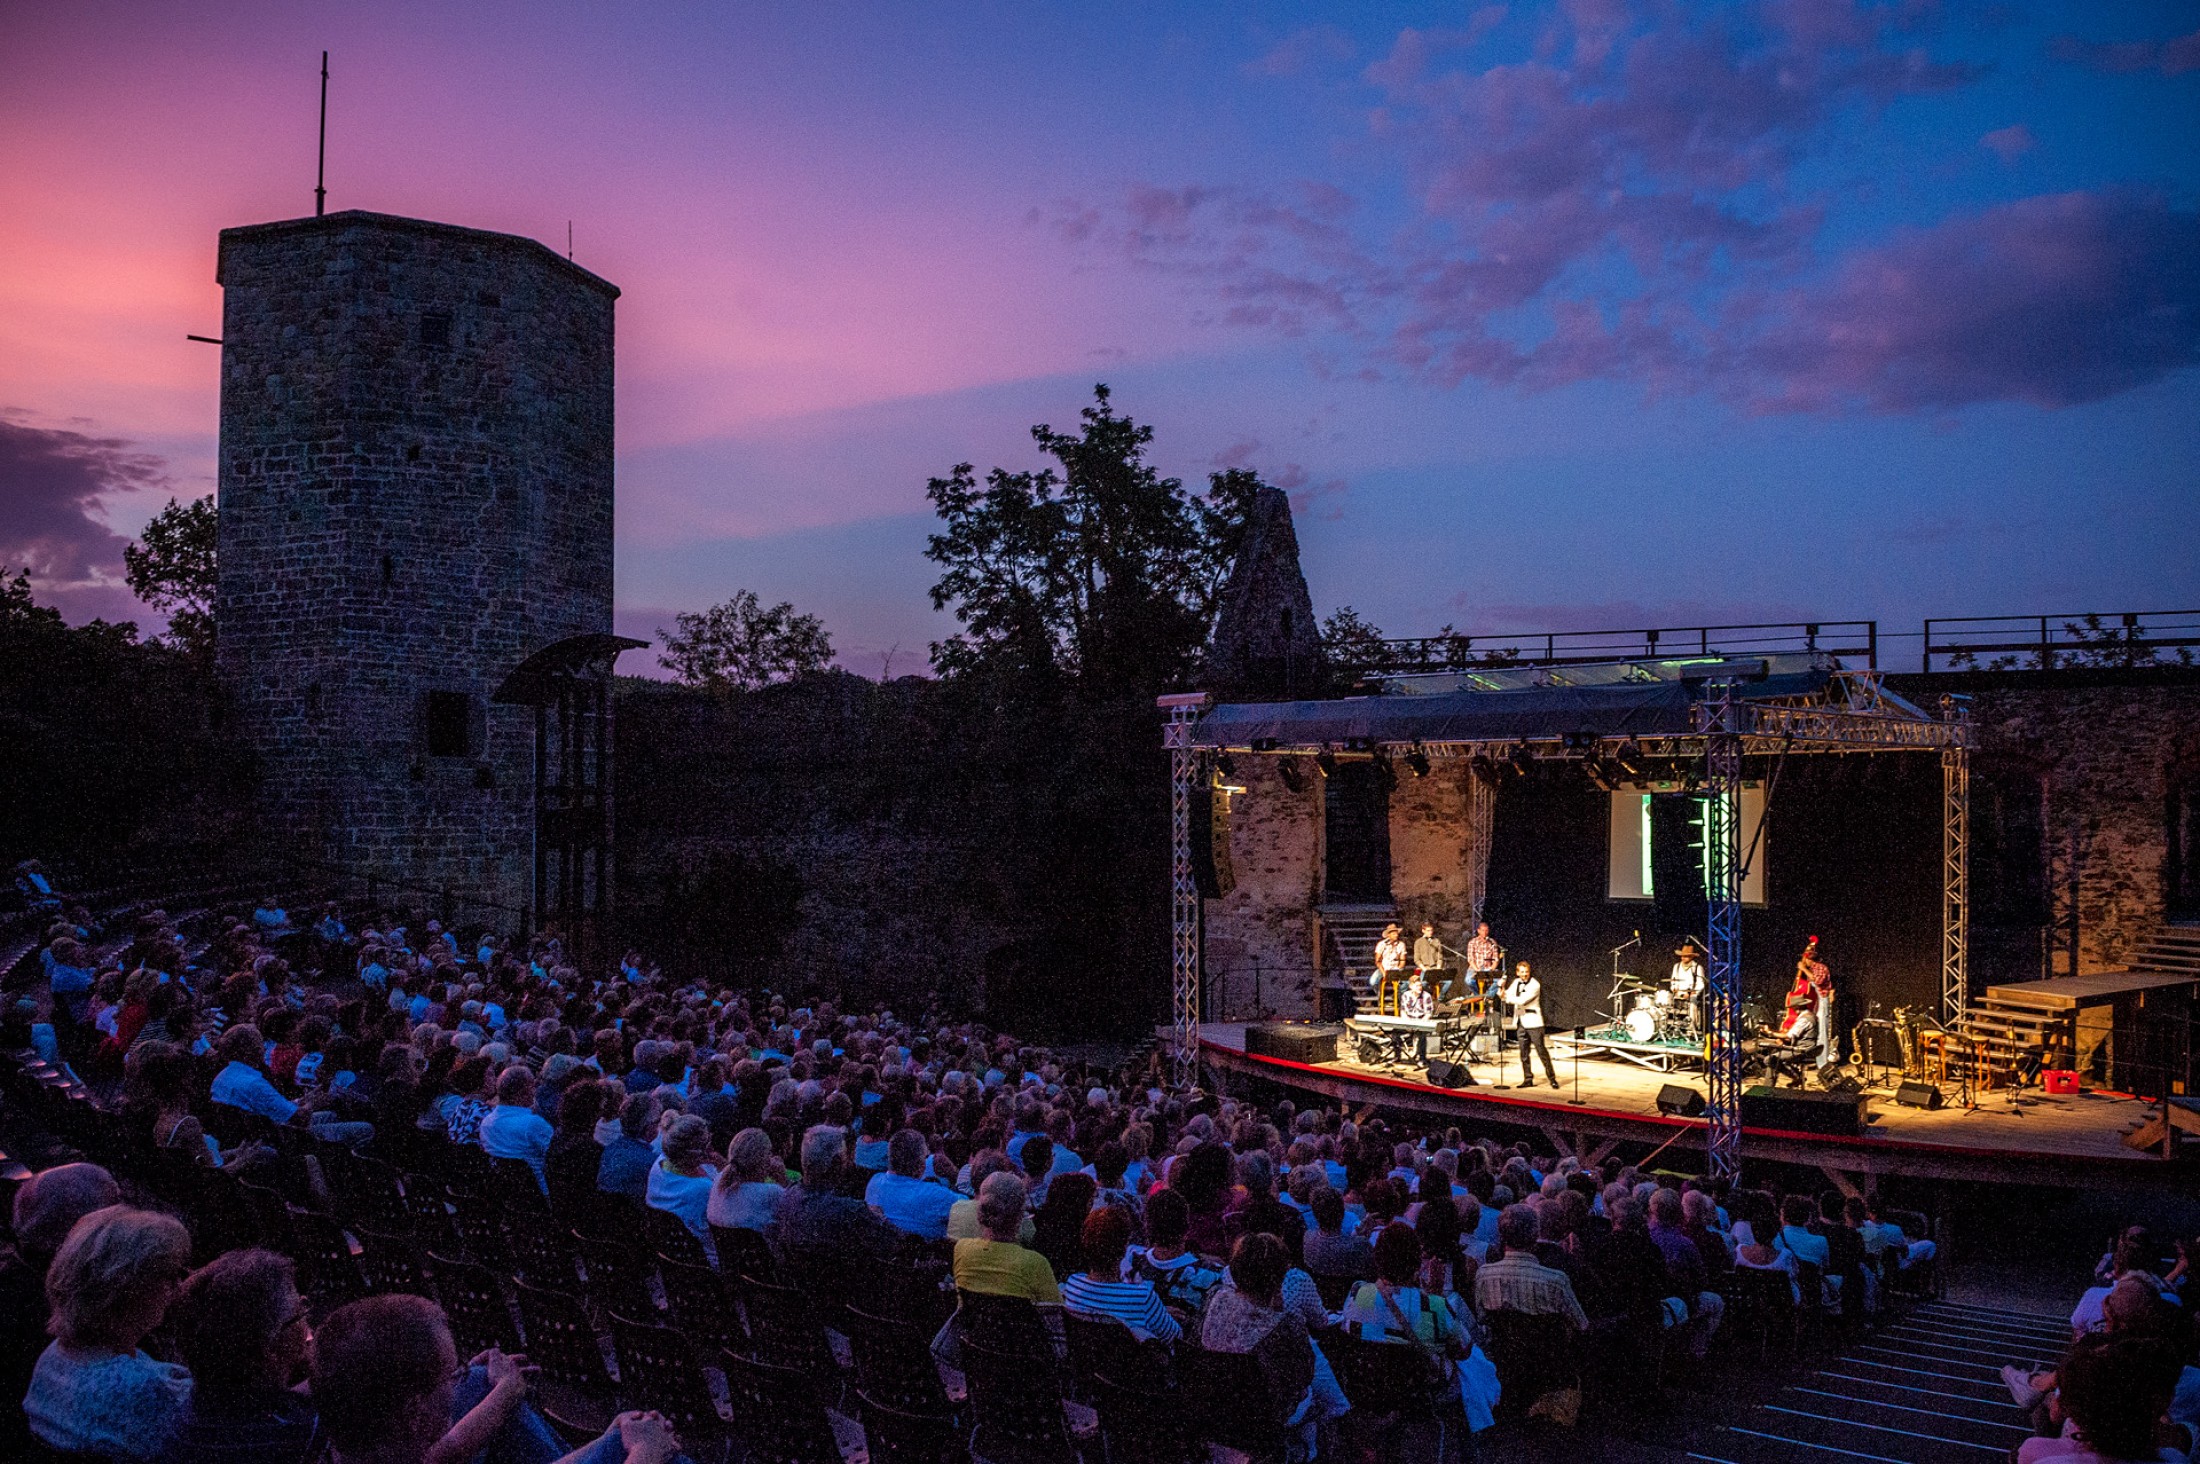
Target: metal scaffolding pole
1183	710
1723	866
1955	866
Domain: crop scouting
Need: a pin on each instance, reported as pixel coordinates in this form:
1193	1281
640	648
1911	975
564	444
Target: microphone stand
1497	1009
1579	1034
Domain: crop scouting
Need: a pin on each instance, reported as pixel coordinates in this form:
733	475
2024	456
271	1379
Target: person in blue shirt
243	1083
624	1168
906	1200
512	1129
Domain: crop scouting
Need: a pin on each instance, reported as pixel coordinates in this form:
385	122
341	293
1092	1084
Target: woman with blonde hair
111	1283
745	1194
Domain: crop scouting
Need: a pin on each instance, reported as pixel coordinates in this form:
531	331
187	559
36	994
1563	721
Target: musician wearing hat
1687	982
1390	958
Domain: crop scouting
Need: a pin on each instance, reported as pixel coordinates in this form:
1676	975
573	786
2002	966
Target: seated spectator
624	1169
47	1206
240	1327
472	1095
680	1181
1183	1280
512	1129
571	1163
2114	1392
1099	1289
1329	1251
1519	1282
94	1391
746	1193
962	1219
388	1382
903	1197
1258	1207
1684	1269
1110	1166
994	1264
820	1230
1248	1315
1058	1224
1885	1241
243	1083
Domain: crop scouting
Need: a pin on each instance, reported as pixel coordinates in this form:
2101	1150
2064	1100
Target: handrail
2092	638
1449	652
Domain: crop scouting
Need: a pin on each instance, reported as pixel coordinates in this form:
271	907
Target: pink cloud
53	483
2052	300
2009	143
2172	57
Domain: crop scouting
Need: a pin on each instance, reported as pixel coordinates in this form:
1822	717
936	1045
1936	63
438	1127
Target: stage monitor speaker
1794	1111
1918	1095
1678	900
1442	1074
1308	1042
1674	1101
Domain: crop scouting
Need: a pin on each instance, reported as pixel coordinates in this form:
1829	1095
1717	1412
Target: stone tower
1266	643
416	494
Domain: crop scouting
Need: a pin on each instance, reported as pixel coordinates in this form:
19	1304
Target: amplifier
1840	1114
1296	1041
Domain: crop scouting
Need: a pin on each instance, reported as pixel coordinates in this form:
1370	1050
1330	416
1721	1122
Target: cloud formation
1622	204
52	482
2172	57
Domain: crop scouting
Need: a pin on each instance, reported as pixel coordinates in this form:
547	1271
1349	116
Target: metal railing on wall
1855	641
2120	639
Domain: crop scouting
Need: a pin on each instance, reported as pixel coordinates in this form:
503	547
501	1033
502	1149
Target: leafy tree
1094	568
742	645
1350	640
172	569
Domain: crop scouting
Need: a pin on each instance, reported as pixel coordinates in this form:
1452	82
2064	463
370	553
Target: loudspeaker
1442	1074
1840	1114
1674	1101
1918	1095
1845	1084
1212	871
1679	901
1294	1041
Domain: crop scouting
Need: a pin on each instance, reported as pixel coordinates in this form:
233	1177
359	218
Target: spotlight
1418	761
1579	742
1386	776
1598	775
1225	765
1521	761
1484	770
1359	744
1326	761
1293	779
1629	758
1264	744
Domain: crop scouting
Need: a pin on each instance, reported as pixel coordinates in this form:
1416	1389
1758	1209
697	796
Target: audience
95	1391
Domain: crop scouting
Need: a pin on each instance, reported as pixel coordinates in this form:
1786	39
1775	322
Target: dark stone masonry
416	494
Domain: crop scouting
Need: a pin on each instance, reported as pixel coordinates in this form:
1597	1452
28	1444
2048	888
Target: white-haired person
94	1390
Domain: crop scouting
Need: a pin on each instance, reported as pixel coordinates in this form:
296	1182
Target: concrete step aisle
1926	1390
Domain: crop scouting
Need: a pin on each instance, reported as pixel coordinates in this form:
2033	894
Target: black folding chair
1102	1347
894	1365
393	1264
658	1369
325	1261
703	1307
1227	1397
744	1252
618	1275
1140	1426
778	1416
1393	1386
1003	1323
785	1329
562	1345
897	1436
474	1301
1017	1409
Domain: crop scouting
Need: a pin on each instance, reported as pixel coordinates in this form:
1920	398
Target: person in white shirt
680	1177
903	1197
1390	958
1687	982
512	1129
1525	995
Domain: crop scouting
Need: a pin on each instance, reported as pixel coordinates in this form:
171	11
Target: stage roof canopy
1620	699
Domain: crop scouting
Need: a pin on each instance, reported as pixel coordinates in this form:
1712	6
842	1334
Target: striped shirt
1520	1283
1133	1303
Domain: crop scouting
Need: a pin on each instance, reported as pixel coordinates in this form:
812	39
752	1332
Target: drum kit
1649	1012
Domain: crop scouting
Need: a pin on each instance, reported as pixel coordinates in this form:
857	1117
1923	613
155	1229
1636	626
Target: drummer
1687	982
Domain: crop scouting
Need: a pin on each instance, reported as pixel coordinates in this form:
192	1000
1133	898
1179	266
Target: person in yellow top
994	1264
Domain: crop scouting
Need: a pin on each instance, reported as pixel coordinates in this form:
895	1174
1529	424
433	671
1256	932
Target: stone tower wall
416	494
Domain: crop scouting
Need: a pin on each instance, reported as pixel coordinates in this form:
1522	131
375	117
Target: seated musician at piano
1418	1000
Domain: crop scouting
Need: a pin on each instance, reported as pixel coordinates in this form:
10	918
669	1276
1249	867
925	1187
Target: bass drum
1642	1024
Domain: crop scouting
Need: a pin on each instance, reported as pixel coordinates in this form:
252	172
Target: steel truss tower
1184	914
1723	866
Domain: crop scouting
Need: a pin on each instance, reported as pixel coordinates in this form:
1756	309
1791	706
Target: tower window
435	328
451	729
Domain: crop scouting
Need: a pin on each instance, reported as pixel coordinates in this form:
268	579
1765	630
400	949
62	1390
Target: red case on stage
2059	1080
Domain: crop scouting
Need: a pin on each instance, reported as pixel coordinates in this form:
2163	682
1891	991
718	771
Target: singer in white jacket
1525	994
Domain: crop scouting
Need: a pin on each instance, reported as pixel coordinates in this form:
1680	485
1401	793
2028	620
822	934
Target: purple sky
1550	316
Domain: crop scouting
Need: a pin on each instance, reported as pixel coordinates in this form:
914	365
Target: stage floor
2051	1140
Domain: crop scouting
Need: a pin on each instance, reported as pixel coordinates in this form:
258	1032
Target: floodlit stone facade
416	493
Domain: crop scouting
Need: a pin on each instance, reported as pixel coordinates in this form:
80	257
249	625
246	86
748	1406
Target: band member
1799	1019
1428	954
1484	957
1819	977
1525	993
1418	1000
1687	983
1390	958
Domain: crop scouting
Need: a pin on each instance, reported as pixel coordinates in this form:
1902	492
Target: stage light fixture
1293	779
1580	742
1225	765
1326	761
1521	761
1484	770
1418	761
1629	758
1599	776
1264	744
1386	776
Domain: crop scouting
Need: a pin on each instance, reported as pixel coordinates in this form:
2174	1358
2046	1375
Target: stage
2074	1140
